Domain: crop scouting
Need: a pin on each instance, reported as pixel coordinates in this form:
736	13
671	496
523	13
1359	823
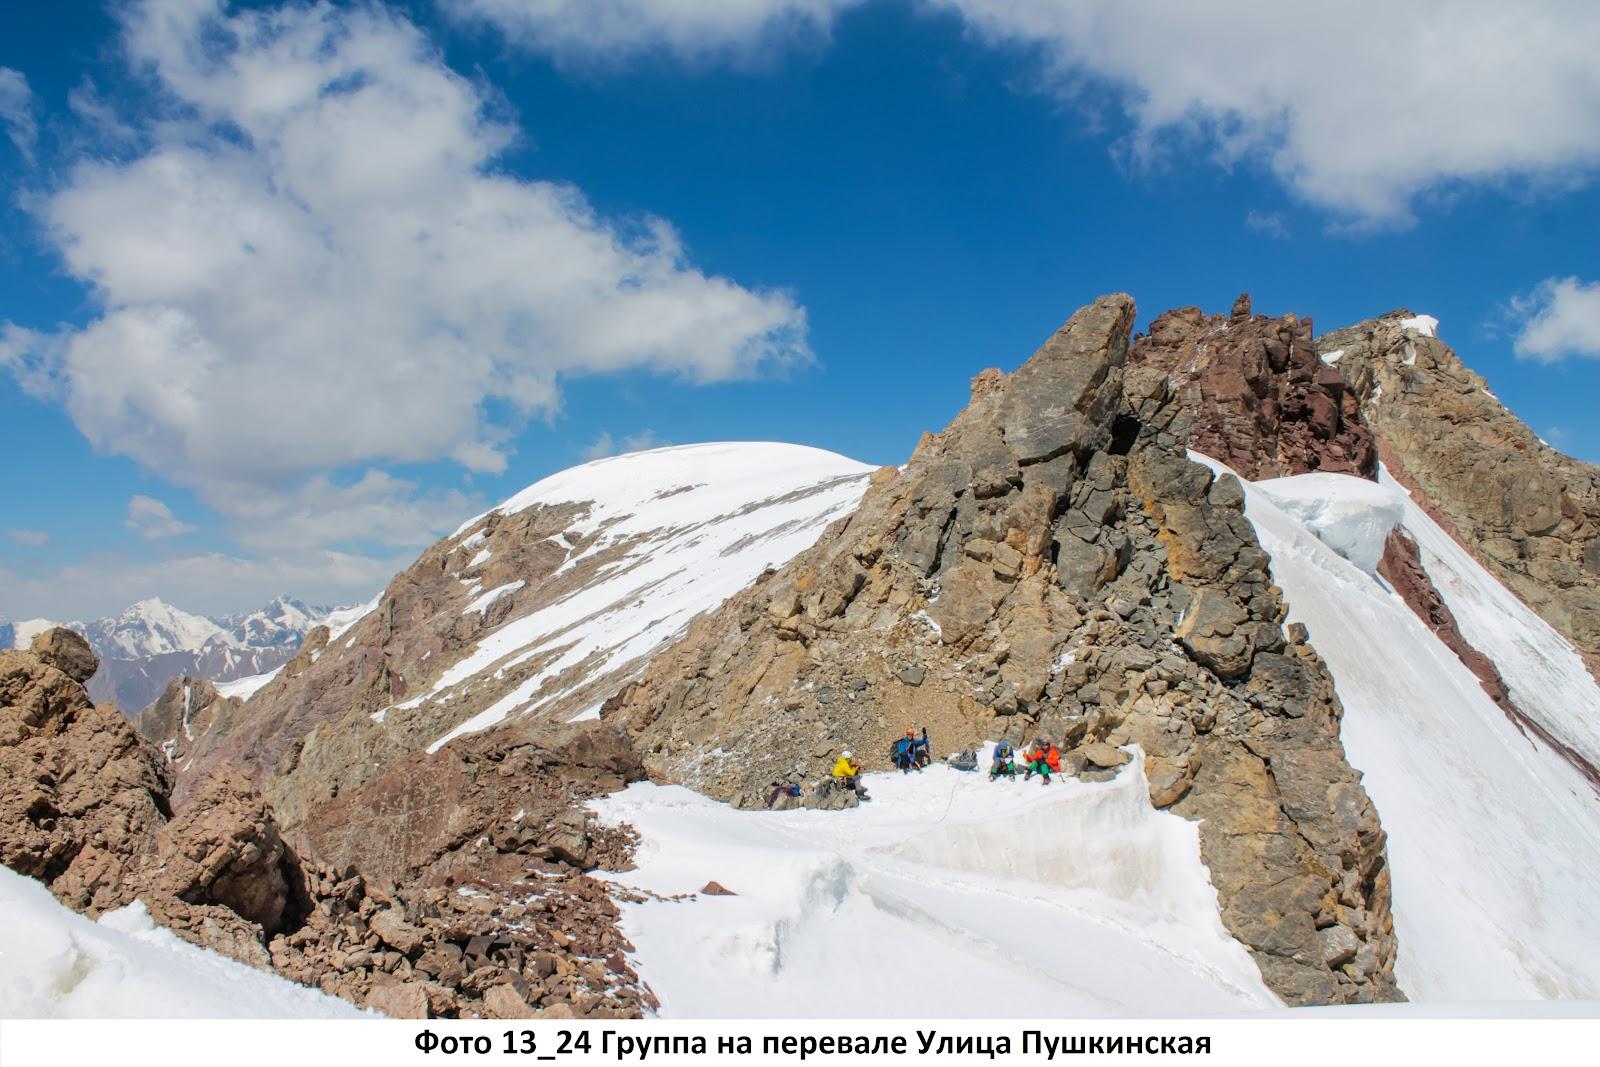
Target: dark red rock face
1258	397
1402	568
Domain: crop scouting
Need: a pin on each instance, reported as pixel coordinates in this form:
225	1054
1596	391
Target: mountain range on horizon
151	642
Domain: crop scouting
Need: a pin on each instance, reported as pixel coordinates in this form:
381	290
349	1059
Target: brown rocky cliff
1053	564
1530	515
1258	397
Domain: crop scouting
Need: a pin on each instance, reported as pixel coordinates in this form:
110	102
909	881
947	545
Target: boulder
400	1001
68	652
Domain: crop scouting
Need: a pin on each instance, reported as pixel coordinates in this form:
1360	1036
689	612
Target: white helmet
845	753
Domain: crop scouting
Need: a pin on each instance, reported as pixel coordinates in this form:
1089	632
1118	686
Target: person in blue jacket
1005	761
900	751
921	754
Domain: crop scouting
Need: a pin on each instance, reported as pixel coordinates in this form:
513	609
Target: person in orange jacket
1043	759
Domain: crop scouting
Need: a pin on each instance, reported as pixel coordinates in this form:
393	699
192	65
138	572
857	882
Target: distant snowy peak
20	634
281	624
151	628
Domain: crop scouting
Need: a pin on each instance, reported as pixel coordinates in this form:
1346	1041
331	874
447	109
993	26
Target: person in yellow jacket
847	774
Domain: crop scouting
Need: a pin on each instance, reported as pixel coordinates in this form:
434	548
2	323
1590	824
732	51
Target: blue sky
289	290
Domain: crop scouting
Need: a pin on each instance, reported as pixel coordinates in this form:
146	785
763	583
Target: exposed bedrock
1528	513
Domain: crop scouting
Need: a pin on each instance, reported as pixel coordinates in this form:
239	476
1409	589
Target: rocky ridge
1526	512
1052	563
511	930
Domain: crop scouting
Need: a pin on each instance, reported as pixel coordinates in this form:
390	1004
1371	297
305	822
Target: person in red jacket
1043	759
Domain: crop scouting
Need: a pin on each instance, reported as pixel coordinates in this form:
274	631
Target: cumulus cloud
16	111
29	538
1358	107
317	267
210	583
606	445
153	520
1560	318
610	29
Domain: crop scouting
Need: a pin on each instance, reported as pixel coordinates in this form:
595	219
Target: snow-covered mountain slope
945	895
20	634
54	963
1494	837
541	608
283	623
679	529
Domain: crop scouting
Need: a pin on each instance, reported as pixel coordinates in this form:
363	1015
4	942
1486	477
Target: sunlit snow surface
1494	840
245	688
702	521
55	963
945	895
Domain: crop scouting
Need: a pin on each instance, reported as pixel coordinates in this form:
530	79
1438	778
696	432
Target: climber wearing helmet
921	754
847	774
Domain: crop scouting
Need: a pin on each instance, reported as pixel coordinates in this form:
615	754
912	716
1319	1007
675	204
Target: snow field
54	963
944	895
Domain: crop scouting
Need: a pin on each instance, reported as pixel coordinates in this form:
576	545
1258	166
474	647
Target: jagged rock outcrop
1528	513
81	796
1259	398
84	807
1052	563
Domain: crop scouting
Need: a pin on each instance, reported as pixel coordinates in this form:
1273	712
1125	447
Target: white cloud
1358	107
606	30
1560	318
29	538
606	445
1267	223
153	520
210	583
317	267
378	508
16	111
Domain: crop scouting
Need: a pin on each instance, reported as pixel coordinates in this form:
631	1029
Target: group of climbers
1041	757
912	753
